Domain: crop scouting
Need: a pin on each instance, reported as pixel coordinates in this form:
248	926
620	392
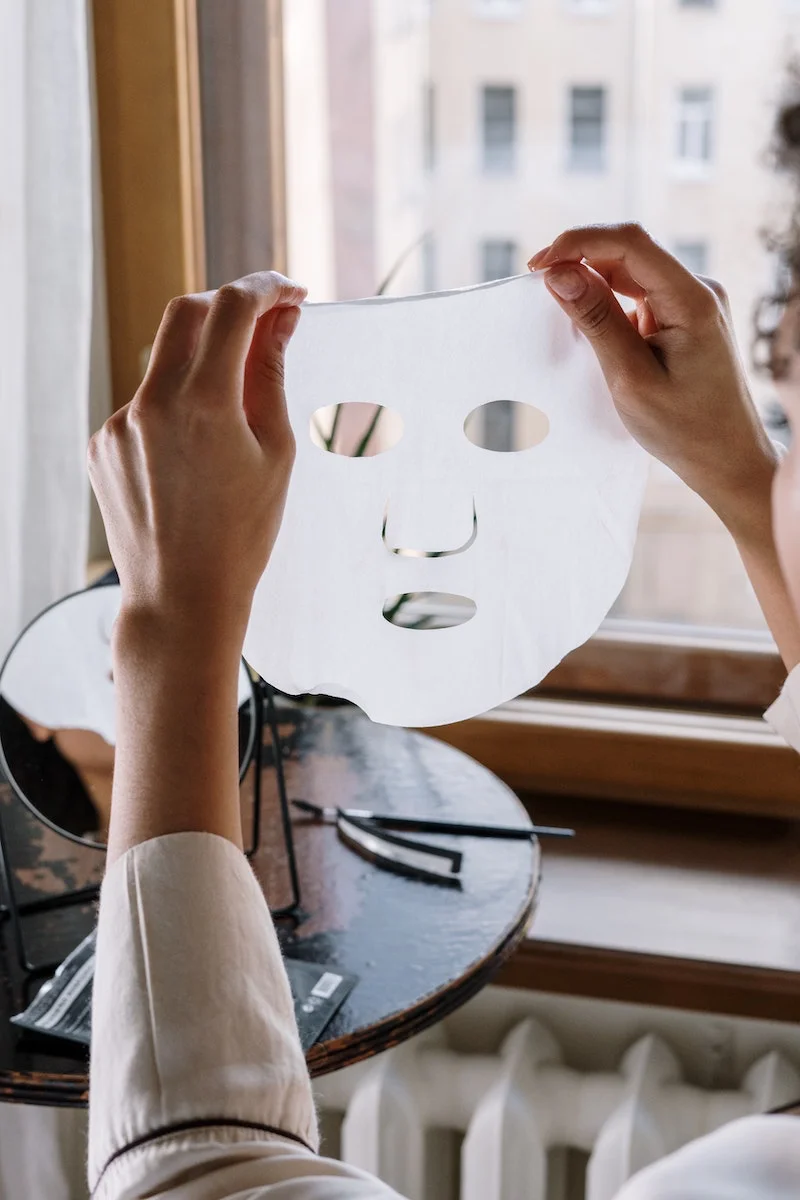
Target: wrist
181	640
744	504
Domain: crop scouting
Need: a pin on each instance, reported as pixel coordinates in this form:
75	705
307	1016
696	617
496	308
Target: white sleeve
199	1087
757	1158
784	714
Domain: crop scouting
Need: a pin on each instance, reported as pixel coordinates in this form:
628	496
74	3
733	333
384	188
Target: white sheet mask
538	540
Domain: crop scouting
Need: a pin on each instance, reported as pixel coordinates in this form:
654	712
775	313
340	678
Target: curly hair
785	245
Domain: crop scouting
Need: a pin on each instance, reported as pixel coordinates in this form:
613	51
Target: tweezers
423	825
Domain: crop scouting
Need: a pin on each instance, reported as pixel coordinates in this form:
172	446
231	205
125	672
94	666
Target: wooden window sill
640	755
690	910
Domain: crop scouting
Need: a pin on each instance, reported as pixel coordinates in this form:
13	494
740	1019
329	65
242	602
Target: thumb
591	304
264	397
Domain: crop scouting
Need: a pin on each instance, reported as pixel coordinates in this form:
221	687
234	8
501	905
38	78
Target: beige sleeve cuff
784	714
192	1017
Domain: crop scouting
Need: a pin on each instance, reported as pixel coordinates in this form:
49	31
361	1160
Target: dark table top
419	949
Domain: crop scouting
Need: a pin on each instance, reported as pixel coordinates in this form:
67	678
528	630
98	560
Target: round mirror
57	717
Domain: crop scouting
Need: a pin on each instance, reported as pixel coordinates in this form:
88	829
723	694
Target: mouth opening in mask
428	610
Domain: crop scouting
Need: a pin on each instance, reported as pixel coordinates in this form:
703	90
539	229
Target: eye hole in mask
356	429
428	610
506	426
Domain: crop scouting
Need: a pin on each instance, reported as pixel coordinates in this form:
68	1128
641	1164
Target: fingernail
568	285
285	324
539	256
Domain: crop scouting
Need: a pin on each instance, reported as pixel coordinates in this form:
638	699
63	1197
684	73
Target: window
429	126
498	8
428	263
499	115
693	255
497	260
589	8
587	134
686	629
695	127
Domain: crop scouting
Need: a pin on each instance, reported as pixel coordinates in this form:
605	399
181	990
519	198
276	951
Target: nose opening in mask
415	552
428	610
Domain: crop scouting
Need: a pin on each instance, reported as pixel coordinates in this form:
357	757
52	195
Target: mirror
57	718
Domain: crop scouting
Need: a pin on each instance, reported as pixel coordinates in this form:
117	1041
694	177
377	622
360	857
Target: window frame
631	713
146	70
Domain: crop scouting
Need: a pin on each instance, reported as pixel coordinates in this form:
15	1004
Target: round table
419	949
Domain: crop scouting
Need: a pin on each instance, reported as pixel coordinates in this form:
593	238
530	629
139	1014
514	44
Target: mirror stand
16	911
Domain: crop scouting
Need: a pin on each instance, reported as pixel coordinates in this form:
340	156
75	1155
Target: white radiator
520	1079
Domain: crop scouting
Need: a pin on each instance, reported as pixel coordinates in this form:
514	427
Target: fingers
230	325
264	397
591	304
178	334
619	279
719	291
675	296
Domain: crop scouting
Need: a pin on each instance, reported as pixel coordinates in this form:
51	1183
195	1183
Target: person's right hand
672	366
191	475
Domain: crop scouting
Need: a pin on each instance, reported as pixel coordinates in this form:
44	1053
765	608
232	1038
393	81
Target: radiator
528	1086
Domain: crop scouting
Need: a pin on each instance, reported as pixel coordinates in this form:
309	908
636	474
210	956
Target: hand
191	475
672	366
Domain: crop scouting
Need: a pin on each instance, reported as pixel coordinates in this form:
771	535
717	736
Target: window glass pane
589	7
429	127
695	124
587	128
498	259
498	128
498	8
429	263
428	147
693	255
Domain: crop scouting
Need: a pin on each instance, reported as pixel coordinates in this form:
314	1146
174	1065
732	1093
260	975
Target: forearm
748	516
176	766
763	568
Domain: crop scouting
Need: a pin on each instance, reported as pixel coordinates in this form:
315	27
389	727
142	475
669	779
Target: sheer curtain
45	332
45	304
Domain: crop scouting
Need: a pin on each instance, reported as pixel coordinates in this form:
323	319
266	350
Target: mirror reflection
57	719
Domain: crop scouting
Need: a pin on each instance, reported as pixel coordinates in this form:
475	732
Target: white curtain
45	304
45	330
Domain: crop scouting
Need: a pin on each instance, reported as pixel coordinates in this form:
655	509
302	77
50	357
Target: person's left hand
191	475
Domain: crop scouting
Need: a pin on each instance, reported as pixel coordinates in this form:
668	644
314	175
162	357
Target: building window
587	132
497	8
499	128
693	255
497	260
429	127
695	132
588	8
428	248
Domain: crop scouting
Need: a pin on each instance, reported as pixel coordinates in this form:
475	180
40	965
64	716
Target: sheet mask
539	540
